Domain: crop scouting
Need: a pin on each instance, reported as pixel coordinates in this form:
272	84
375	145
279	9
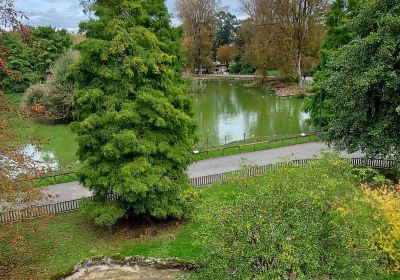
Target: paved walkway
71	191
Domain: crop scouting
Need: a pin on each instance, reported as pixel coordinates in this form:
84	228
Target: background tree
338	34
133	118
18	57
227	28
30	53
365	82
47	45
199	19
225	54
243	63
285	35
13	158
54	97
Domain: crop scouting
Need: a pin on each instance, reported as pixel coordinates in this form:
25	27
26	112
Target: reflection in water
44	160
226	109
38	160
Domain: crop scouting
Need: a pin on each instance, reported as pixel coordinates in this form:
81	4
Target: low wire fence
207	146
68	173
73	205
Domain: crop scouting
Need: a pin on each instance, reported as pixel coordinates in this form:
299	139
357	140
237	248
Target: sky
67	13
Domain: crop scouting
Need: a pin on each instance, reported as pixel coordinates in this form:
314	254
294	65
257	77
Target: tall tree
365	82
14	163
30	52
199	19
285	34
47	45
227	28
225	54
134	125
338	34
19	59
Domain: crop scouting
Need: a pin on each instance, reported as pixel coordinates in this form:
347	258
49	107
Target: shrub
298	223
241	66
103	214
388	235
55	96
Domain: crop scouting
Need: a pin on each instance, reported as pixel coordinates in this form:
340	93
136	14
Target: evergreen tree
133	118
227	27
365	83
47	45
338	34
19	59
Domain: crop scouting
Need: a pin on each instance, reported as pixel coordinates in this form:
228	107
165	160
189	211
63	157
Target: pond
224	111
229	111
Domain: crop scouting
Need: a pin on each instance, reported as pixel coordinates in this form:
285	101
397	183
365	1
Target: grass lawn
254	147
52	245
47	246
58	139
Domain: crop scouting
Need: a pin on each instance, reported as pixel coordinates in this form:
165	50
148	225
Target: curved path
73	190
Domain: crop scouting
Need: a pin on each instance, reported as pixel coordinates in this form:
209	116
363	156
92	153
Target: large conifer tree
133	118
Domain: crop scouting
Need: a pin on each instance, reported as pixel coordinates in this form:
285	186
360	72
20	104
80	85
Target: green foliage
47	45
365	83
241	66
20	60
134	125
288	225
338	34
103	214
31	55
55	96
227	27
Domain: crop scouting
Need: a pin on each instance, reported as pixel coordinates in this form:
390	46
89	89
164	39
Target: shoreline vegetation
277	84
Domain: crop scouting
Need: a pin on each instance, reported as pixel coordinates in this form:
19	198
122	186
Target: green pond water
229	111
224	111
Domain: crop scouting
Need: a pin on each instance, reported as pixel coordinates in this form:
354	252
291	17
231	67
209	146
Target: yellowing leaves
388	237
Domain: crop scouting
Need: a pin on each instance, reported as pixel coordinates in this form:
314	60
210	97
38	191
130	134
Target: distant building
221	68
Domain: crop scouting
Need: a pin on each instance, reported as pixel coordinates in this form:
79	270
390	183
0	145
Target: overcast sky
68	13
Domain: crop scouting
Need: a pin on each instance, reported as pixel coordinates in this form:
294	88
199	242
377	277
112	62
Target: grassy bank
55	138
245	148
41	248
55	179
45	247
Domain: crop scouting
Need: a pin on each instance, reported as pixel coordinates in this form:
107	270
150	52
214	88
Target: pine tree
133	118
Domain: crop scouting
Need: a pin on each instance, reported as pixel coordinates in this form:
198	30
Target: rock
134	267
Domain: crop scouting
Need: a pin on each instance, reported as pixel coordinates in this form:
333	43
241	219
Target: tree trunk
298	69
